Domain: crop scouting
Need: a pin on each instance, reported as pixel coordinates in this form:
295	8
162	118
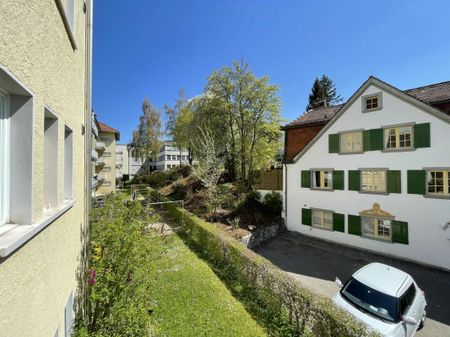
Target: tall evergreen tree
323	93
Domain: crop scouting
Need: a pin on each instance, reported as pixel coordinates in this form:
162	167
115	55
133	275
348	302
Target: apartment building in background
105	163
170	156
126	164
45	123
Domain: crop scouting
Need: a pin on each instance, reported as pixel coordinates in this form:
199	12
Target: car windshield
371	301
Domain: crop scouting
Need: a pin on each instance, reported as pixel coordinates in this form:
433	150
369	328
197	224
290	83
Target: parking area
316	263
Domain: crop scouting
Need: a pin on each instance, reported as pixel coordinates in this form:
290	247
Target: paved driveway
316	263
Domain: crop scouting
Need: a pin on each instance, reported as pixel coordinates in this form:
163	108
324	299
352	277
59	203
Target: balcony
100	162
94	155
100	146
101	177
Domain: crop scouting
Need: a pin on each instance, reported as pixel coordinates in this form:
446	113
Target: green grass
189	299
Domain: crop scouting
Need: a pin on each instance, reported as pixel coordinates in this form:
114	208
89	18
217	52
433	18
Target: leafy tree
147	136
323	93
249	112
172	115
210	164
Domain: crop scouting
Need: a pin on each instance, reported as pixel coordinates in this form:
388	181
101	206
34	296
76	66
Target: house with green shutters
376	176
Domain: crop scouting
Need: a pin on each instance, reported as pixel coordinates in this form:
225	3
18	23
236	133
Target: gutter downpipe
89	19
285	194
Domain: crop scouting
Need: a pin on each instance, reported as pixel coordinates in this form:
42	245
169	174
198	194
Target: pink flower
92	277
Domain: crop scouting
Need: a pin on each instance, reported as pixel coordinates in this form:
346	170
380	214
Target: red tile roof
108	129
315	116
432	94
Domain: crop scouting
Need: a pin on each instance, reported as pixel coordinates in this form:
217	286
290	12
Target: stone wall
263	234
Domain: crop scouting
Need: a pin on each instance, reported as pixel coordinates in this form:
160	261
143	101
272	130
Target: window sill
374	192
13	236
321	189
352	152
437	196
366	236
407	149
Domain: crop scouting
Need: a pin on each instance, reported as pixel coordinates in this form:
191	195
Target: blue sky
154	48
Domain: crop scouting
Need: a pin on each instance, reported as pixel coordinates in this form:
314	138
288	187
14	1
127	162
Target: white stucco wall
428	243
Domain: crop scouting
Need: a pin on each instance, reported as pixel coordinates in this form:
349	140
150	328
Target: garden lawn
189	300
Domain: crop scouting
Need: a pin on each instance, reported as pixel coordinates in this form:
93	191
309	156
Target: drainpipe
285	194
88	108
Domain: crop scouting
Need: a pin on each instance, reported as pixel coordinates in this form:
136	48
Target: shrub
280	303
179	191
274	202
122	245
184	170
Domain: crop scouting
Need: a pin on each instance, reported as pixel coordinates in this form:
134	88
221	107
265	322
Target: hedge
276	300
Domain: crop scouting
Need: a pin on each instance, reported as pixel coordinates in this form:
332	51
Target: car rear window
371	301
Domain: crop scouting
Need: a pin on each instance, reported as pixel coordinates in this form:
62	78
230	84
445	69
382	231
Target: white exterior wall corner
428	242
37	279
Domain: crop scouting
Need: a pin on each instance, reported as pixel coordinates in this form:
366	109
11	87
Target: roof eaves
382	85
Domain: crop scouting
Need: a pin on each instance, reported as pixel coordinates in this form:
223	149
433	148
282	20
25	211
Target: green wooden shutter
373	140
353	180
376	139
306	179
339	222
366	140
394	182
354	224
306	216
400	232
422	135
416	181
338	180
333	143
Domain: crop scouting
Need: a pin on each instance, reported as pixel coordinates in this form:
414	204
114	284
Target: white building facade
377	176
170	156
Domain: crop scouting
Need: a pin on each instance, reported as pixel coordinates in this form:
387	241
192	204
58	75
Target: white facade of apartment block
394	200
170	156
126	163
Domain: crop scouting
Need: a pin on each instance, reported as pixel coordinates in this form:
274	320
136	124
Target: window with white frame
4	157
50	160
322	219
373	181
398	137
379	228
16	151
438	182
322	179
351	142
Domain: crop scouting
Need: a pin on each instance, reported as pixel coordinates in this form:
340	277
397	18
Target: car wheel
422	321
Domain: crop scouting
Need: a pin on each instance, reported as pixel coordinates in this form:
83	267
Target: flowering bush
124	246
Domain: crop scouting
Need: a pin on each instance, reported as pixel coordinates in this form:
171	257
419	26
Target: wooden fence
268	180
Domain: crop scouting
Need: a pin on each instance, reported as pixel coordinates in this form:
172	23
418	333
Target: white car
385	298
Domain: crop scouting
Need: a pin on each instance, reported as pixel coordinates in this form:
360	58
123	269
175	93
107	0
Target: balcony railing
100	146
100	161
101	177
